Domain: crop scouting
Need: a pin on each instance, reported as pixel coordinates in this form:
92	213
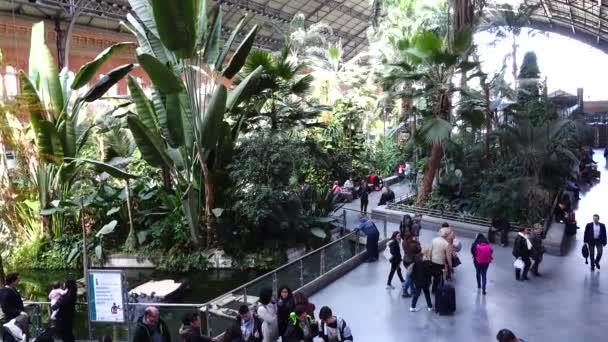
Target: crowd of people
15	321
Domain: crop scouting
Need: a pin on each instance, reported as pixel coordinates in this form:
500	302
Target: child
55	295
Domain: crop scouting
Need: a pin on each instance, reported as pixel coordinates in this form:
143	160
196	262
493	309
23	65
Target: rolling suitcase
445	299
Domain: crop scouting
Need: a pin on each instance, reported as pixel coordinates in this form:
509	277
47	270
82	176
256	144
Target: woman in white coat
267	312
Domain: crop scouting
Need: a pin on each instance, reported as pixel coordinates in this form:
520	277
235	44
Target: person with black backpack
333	328
422	272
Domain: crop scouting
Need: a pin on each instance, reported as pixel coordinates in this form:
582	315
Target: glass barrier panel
312	267
334	256
289	276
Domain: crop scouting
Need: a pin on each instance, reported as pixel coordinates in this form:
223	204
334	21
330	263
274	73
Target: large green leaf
152	152
187	119
104	167
318	232
48	75
228	45
49	142
143	107
103	85
29	98
87	71
107	229
212	42
176	22
143	10
201	28
162	76
212	119
36	42
244	88
428	42
69	140
148	42
436	130
174	121
462	41
240	55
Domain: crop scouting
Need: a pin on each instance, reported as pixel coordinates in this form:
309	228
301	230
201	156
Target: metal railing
221	311
217	314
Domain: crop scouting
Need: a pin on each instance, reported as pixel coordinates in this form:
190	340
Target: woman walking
537	248
285	306
412	253
267	312
395	260
422	273
522	248
482	257
66	307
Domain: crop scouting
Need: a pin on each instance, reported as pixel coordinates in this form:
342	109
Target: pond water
202	287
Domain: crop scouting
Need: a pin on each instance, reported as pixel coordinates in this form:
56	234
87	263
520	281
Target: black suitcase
445	299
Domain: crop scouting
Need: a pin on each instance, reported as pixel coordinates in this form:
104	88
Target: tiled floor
568	303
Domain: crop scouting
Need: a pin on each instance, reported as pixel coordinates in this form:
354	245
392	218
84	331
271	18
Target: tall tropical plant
182	125
431	62
60	130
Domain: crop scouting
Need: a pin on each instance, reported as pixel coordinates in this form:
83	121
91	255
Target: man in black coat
10	299
151	328
595	238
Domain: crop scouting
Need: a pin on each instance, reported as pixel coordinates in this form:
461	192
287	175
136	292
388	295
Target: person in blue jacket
368	228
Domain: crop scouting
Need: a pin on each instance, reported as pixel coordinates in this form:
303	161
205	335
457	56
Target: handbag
455	261
585	252
518	264
387	252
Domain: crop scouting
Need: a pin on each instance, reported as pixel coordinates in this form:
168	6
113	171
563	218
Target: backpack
483	254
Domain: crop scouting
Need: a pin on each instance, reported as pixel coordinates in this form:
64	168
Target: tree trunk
488	110
429	174
209	203
514	54
167	180
132	240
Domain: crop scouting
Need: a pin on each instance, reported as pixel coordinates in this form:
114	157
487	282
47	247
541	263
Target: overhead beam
547	10
274	14
599	20
571	17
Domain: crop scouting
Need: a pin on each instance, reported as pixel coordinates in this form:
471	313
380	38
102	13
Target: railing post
301	273
245	295
207	320
322	266
385	227
275	282
357	243
343	222
342	251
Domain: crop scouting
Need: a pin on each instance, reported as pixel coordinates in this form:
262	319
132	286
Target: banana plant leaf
49	142
162	76
29	98
212	40
240	55
48	75
87	71
104	167
152	151
103	85
176	22
210	123
143	107
228	45
174	121
244	89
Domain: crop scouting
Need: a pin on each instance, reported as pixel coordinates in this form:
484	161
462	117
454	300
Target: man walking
595	238
151	328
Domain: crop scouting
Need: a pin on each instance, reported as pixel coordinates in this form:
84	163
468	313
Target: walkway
553	308
353	208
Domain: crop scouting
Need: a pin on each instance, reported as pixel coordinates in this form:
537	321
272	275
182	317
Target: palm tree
506	22
303	40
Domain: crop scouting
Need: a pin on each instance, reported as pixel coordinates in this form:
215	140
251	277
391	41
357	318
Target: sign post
106	297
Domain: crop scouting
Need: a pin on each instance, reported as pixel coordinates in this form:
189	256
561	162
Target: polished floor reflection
569	303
